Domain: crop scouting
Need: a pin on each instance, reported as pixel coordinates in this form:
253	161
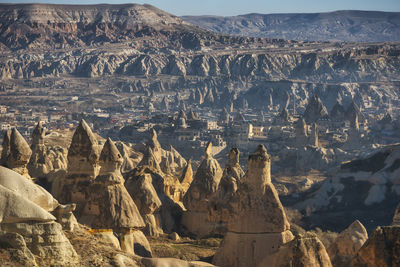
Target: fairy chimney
258	225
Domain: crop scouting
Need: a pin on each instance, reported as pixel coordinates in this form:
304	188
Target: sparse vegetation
326	237
185	249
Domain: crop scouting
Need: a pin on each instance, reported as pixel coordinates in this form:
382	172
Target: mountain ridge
49	26
341	25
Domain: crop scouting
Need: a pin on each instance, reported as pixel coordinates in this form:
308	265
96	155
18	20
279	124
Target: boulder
381	249
14	208
108	237
303	251
347	244
27	189
42	235
141	245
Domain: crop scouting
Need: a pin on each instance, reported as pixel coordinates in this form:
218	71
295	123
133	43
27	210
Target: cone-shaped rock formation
258	225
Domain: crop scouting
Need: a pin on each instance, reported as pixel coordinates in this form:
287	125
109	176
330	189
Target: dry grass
93	251
326	237
185	249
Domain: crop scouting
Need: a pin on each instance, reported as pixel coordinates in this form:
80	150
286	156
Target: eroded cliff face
336	65
45	26
141	49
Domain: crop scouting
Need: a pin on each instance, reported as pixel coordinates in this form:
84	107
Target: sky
237	7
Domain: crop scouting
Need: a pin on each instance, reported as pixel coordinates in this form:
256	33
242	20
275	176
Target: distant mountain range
347	25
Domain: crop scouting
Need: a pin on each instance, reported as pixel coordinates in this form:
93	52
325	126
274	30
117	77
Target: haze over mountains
346	25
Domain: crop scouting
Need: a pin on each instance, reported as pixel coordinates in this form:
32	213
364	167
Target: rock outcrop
23	214
338	112
167	215
220	204
27	189
170	161
396	217
131	157
303	251
353	136
196	199
83	167
83	154
301	130
39	163
258	225
187	176
16	152
108	203
315	110
314	139
5	152
146	198
374	176
347	244
381	249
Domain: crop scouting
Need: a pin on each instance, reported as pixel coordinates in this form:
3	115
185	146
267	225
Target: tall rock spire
220	205
38	135
301	138
196	199
108	205
110	159
5	152
83	153
19	154
39	163
258	225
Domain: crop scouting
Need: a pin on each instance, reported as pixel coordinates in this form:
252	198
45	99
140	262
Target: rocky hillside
25	26
347	26
360	188
124	45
